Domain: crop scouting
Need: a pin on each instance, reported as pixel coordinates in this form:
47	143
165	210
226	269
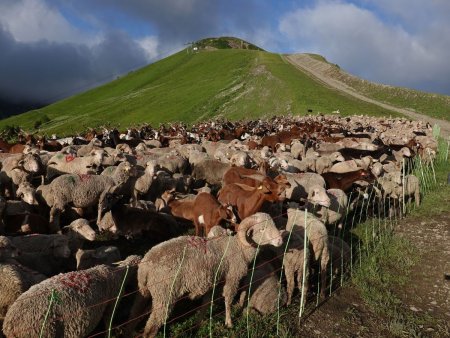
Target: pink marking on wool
76	280
198	242
70	158
84	177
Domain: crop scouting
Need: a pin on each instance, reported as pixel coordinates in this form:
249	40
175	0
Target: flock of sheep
257	190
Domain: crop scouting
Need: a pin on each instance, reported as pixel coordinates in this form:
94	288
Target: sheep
324	163
297	149
144	181
67	164
27	193
265	295
102	255
18	169
293	261
15	279
84	150
302	184
130	221
82	191
77	233
187	266
173	163
7	249
55	244
46	254
410	189
317	236
210	170
73	315
335	211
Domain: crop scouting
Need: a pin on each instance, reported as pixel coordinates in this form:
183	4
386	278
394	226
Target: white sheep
15	278
73	313
67	164
317	236
293	260
335	211
81	191
188	265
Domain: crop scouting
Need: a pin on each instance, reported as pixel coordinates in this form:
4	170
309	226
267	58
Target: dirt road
318	70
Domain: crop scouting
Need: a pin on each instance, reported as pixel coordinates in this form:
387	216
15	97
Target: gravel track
318	70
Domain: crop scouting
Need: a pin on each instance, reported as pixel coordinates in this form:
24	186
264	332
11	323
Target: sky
50	49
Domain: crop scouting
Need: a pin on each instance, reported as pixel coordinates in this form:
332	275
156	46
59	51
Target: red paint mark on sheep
84	177
76	280
198	242
70	158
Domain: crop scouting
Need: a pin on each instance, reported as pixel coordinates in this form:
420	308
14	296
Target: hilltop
225	77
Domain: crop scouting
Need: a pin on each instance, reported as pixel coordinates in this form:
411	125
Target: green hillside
233	83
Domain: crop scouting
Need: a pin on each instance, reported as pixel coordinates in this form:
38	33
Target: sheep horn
245	225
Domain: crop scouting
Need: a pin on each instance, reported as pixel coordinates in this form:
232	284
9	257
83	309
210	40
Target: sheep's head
259	229
106	201
108	224
151	167
337	157
60	246
7	249
240	159
97	157
31	163
318	195
27	193
82	228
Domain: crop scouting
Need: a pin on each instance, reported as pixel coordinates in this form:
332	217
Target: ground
421	293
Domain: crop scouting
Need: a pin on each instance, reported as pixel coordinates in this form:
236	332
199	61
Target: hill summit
224	42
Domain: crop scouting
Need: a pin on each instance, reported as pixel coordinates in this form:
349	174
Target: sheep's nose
277	241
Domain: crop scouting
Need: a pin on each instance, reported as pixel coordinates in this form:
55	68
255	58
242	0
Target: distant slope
331	76
431	104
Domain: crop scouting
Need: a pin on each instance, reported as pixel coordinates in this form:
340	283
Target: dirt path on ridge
316	69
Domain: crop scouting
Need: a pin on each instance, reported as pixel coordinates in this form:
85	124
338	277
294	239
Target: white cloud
364	44
34	20
150	45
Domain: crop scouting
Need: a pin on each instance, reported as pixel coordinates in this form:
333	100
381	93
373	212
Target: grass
189	87
387	267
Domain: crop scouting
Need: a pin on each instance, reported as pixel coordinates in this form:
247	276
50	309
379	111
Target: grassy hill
187	86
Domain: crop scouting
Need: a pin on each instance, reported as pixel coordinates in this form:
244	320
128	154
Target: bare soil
427	293
320	71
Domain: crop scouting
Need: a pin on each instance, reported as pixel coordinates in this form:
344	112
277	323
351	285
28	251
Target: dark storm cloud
47	71
179	21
